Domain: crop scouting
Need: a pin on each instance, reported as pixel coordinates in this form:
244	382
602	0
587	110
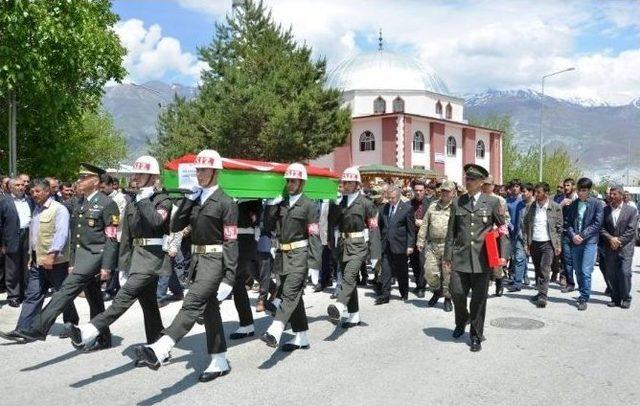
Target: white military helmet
146	164
208	159
296	171
351	174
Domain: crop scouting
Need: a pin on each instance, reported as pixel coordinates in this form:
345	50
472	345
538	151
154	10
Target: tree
262	98
557	165
55	57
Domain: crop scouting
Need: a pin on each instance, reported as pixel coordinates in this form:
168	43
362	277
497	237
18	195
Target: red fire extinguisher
491	244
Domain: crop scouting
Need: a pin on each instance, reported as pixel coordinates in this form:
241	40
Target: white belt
293	245
355	234
247	230
140	242
206	249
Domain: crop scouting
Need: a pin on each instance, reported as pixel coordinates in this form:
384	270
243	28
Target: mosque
404	115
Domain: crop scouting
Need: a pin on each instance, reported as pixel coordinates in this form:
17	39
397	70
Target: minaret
380	40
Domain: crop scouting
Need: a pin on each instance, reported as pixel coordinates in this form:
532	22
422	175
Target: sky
473	45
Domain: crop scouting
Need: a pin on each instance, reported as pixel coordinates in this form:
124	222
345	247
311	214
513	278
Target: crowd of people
95	239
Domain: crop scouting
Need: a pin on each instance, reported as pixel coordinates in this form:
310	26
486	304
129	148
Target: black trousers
348	295
40	280
246	267
328	266
618	268
394	265
73	284
478	283
417	265
292	307
141	287
16	272
542	255
267	285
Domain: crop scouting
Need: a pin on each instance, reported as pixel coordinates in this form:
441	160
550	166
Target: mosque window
418	142
398	105
367	141
451	146
448	110
379	106
439	108
480	149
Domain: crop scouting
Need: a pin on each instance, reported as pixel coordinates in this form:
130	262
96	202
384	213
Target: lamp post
542	114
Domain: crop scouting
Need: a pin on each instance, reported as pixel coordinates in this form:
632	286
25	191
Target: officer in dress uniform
354	217
145	222
299	252
213	216
473	215
248	216
94	223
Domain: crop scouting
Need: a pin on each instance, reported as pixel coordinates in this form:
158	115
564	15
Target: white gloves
223	291
273	252
374	262
195	193
144	193
122	277
274	201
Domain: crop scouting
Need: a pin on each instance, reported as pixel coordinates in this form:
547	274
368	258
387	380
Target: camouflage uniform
431	238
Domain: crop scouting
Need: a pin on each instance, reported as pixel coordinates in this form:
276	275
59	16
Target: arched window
398	105
480	150
418	142
447	112
379	106
451	146
439	108
367	141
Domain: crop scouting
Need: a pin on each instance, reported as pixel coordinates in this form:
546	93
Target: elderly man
15	216
49	245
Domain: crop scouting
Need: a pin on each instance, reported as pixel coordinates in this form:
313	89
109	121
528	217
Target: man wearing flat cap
94	222
473	215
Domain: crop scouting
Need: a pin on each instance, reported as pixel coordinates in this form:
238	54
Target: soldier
145	222
488	189
299	252
248	215
353	216
431	239
94	224
213	217
473	215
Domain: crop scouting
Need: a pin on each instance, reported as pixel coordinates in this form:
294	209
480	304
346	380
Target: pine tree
263	97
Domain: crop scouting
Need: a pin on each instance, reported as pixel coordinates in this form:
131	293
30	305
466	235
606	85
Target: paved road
405	355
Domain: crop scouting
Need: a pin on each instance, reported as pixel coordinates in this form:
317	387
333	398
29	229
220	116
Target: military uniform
248	215
144	225
94	222
353	223
431	238
299	249
214	261
472	217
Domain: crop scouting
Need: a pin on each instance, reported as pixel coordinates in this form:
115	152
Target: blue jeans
169	282
520	262
567	260
584	259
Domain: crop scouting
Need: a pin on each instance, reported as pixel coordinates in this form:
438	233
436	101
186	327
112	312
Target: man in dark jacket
618	232
398	236
582	225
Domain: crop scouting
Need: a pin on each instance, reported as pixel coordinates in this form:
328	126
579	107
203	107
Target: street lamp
541	115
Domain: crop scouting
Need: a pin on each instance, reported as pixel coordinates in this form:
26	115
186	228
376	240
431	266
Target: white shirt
206	192
540	231
293	199
351	198
632	204
24	211
91	195
475	198
615	214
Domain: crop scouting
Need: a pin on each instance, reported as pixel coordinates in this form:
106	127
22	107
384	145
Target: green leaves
263	97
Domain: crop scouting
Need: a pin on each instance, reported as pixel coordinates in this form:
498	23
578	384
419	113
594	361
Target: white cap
208	159
351	174
296	171
146	164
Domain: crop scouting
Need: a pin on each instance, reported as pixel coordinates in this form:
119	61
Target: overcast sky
473	45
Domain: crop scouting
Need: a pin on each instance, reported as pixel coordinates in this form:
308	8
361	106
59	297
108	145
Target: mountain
135	109
595	133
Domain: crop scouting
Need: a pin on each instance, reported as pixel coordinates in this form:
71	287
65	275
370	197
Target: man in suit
583	222
473	215
15	216
542	238
398	236
618	231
